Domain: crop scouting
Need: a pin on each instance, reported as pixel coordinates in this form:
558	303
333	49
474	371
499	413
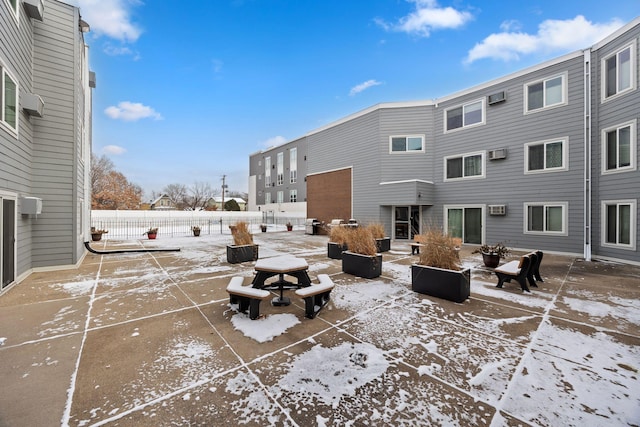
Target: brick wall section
329	195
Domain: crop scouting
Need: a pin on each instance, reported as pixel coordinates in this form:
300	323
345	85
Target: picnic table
281	266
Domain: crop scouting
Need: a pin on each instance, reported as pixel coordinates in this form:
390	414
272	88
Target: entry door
465	223
7	234
407	222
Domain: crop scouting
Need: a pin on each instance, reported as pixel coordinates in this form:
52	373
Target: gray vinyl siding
47	58
352	144
505	183
614	112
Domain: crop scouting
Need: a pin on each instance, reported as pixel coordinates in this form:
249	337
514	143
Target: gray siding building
45	137
545	158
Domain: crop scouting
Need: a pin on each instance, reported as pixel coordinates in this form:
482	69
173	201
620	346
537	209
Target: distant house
45	135
217	202
162	203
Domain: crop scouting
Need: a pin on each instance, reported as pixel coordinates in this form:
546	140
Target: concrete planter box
334	250
365	266
242	253
438	282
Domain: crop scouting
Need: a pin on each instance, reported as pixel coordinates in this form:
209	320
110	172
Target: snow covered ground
151	339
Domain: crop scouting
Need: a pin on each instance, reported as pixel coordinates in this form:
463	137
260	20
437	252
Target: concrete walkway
150	339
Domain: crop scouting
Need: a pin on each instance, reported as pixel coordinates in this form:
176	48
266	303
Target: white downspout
587	155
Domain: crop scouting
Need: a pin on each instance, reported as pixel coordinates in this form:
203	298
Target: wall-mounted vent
497	210
34	8
498	154
497	98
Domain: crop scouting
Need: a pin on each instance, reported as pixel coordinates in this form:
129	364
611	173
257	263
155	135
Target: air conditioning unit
30	205
497	210
497	98
32	104
498	154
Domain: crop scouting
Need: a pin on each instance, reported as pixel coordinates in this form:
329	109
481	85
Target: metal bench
415	248
518	270
316	296
246	297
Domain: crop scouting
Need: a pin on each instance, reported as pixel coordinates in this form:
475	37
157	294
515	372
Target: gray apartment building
545	158
45	137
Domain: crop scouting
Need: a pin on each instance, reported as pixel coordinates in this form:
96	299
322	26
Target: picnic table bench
246	297
316	296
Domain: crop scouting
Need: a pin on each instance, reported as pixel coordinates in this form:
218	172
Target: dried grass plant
440	250
241	234
338	235
361	241
377	230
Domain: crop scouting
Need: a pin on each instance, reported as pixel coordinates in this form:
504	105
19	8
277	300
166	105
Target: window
13	4
280	169
465	222
619	148
465	166
8	100
293	165
466	115
280	196
293	196
619	224
545	93
267	172
546	218
546	156
267	198
619	72
406	144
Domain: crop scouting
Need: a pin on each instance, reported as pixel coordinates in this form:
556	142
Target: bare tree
199	195
179	195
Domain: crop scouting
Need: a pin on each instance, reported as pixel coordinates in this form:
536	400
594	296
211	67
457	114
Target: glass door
407	222
465	223
7	235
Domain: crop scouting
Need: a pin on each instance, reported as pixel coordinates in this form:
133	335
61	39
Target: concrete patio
150	339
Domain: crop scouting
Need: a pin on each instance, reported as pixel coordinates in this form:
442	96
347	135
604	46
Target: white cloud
274	141
131	112
428	16
114	149
552	36
111	18
363	86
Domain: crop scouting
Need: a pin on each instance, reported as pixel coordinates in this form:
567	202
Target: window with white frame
470	114
293	165
546	93
546	218
546	156
619	72
13	4
469	165
293	195
267	198
406	144
8	100
280	196
619	224
267	172
280	169
619	148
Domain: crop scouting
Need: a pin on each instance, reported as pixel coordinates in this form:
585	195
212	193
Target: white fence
133	224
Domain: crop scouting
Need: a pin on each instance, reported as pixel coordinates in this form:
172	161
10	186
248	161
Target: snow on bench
316	296
246	297
517	269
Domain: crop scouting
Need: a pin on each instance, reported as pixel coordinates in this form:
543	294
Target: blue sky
186	91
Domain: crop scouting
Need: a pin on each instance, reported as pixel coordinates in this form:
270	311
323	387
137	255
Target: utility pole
224	187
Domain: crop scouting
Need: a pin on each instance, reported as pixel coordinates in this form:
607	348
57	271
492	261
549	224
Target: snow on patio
377	354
